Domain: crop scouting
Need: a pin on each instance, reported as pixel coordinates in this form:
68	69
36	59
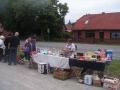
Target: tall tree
34	16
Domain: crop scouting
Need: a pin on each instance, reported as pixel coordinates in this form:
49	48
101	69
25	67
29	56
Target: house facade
3	32
98	28
1	29
67	28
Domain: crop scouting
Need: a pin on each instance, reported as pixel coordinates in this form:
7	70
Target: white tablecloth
53	61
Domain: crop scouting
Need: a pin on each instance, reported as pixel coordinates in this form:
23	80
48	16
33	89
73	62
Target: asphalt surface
20	77
81	47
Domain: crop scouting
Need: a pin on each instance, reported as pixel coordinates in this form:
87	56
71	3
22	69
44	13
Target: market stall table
52	60
93	65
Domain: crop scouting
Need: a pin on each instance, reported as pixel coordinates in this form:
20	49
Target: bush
67	35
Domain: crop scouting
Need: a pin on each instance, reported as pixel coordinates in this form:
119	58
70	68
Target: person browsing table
13	45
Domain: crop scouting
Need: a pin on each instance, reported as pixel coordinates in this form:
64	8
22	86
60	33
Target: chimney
103	12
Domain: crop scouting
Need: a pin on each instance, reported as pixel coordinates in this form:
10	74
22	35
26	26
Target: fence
97	41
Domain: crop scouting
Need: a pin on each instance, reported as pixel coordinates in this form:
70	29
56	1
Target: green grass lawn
113	69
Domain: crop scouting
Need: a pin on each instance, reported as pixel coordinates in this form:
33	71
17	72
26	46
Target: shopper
1	47
7	51
14	45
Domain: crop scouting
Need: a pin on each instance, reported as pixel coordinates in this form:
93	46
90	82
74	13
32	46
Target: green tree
1	11
34	16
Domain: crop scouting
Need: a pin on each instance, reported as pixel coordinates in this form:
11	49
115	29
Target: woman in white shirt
69	48
1	47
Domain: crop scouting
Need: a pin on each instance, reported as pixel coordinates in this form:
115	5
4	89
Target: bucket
88	79
110	54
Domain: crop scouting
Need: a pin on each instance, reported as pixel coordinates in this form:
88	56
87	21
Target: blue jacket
31	46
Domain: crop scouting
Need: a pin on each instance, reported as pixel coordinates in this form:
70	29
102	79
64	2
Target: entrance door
101	35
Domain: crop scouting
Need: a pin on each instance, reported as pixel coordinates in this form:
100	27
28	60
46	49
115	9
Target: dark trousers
7	54
1	54
13	55
27	55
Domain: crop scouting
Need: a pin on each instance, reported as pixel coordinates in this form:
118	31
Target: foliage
113	69
34	16
67	35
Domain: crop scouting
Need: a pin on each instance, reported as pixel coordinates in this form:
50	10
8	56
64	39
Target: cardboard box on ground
112	84
61	74
97	83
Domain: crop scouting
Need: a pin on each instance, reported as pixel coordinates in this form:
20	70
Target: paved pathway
20	77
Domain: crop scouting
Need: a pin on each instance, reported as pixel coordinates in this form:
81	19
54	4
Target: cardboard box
97	83
111	85
62	75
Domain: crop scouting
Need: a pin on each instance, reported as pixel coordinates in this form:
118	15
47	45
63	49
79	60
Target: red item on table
82	57
34	52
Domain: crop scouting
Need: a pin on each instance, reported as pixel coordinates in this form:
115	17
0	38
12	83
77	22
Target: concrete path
20	77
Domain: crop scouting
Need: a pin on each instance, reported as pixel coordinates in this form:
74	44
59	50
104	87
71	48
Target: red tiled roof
5	33
68	30
68	26
104	21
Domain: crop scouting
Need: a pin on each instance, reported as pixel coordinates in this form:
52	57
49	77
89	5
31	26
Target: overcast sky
78	8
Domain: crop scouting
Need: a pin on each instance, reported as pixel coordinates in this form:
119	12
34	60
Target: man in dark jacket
14	45
6	41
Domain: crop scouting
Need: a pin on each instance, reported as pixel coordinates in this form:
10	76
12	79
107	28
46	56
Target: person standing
1	47
6	41
30	47
14	45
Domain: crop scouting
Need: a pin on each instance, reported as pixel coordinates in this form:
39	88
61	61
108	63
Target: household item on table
61	74
33	52
96	52
80	54
88	79
43	68
82	57
109	54
94	55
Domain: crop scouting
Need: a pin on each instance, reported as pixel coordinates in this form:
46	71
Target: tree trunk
42	36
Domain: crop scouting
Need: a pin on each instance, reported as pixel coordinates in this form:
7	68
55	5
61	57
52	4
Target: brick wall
97	34
106	34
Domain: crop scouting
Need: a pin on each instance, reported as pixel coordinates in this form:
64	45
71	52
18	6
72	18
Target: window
79	34
86	22
115	35
90	34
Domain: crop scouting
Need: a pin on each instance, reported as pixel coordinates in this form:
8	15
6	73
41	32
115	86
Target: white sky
78	8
